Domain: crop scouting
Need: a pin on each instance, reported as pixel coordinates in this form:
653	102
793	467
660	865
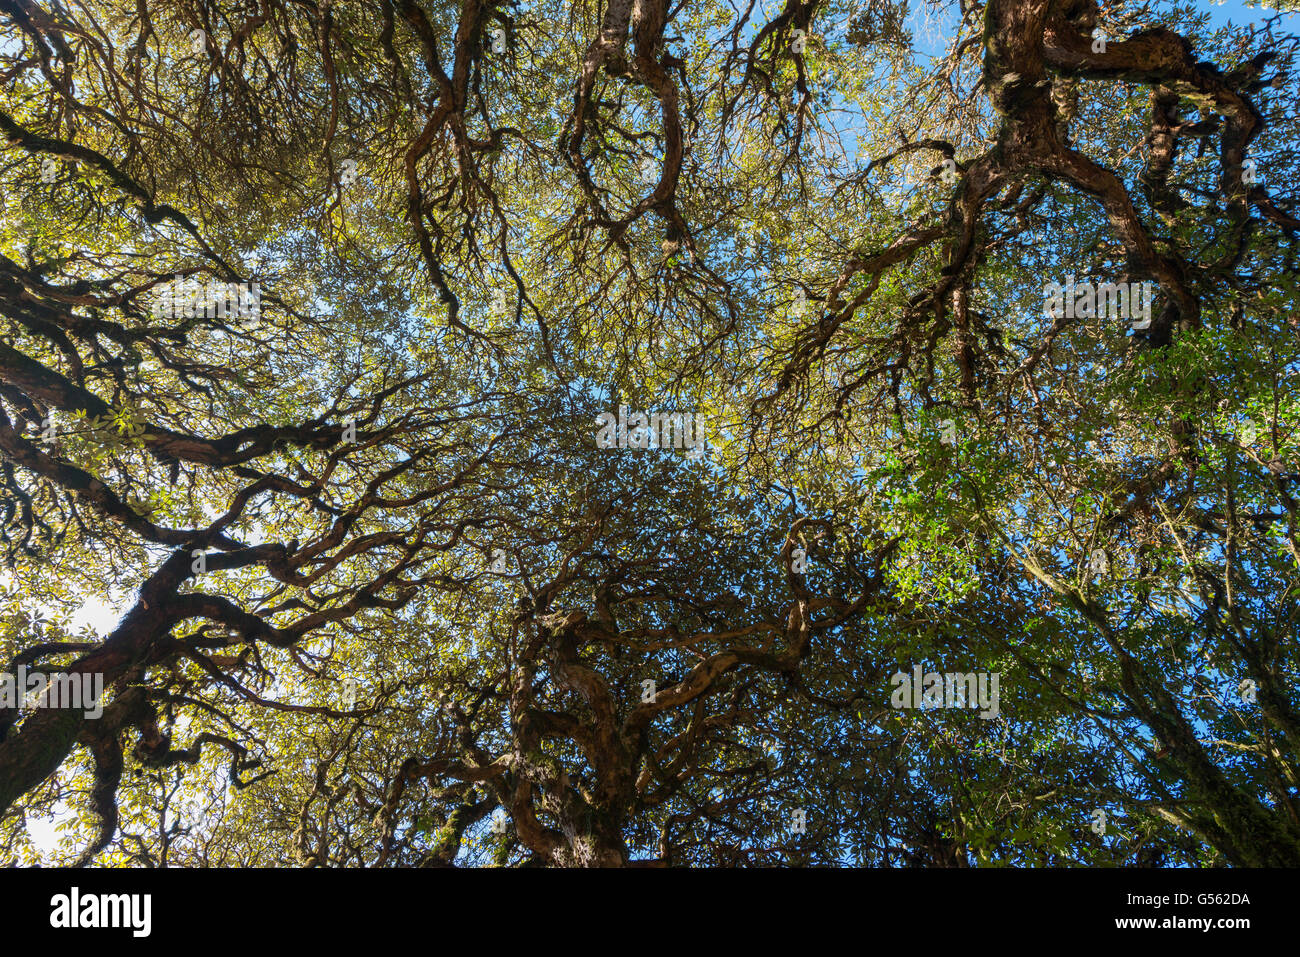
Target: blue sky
930	37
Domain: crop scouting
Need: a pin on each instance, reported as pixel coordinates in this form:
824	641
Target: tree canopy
311	313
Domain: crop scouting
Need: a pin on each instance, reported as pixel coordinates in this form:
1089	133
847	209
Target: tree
309	315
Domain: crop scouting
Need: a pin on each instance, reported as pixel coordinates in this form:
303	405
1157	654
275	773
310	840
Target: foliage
356	573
